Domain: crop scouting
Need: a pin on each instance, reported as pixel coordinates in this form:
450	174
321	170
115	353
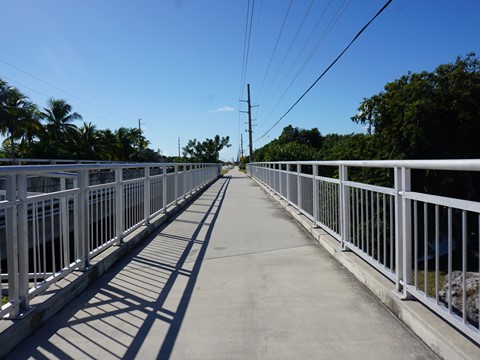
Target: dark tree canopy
428	115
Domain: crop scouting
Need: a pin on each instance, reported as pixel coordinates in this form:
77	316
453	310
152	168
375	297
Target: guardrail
428	245
47	235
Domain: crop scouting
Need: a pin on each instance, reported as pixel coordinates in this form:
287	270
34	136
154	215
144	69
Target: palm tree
59	127
30	127
110	143
13	111
89	143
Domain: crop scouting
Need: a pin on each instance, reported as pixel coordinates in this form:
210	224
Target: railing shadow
141	303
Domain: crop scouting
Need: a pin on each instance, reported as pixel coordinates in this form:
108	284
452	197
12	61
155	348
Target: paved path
232	277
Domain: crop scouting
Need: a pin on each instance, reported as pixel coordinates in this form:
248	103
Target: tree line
51	133
427	115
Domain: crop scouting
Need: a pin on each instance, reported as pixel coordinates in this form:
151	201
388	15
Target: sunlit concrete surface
231	277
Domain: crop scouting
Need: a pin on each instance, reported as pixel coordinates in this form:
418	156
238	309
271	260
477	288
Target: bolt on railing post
344	206
164	189
119	208
146	196
12	245
82	215
22	234
316	198
299	188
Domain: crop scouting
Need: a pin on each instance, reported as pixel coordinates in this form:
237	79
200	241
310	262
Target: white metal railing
81	211
423	243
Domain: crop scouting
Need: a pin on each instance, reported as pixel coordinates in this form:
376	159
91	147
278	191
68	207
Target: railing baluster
119	202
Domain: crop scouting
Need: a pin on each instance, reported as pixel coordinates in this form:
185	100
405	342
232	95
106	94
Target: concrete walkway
232	277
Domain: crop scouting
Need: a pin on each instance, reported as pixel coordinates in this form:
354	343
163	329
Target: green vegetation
4	300
427	115
430	282
50	133
206	151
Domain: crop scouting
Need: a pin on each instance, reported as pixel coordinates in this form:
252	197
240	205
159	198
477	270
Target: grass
430	282
224	171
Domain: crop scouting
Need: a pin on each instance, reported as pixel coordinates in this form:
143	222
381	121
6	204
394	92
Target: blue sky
177	64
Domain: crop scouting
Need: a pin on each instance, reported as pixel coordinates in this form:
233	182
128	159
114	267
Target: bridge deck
232	277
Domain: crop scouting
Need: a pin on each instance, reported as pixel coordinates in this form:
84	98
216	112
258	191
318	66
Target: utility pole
178	147
241	144
250	144
249	112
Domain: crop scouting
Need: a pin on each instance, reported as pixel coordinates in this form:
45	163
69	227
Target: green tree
207	151
18	120
57	139
130	142
428	115
88	143
292	144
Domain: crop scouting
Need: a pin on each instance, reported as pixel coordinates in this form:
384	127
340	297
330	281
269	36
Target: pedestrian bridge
170	261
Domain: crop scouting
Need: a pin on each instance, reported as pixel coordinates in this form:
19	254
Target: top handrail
32	169
450	164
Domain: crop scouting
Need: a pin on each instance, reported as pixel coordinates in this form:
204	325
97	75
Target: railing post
280	187
190	178
119	208
402	231
64	224
344	206
194	177
288	182
176	184
82	215
12	245
146	196
164	189
406	231
316	198
185	181
22	234
274	173
299	188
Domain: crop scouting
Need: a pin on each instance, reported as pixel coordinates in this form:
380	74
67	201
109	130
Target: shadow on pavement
146	293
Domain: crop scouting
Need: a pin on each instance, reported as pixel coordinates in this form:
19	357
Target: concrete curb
46	305
438	335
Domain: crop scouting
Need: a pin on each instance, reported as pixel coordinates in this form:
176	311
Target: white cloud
222	109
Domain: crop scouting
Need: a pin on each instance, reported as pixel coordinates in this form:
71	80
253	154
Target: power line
247	48
275	48
290	47
296	59
324	35
246	51
48	96
64	91
327	69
